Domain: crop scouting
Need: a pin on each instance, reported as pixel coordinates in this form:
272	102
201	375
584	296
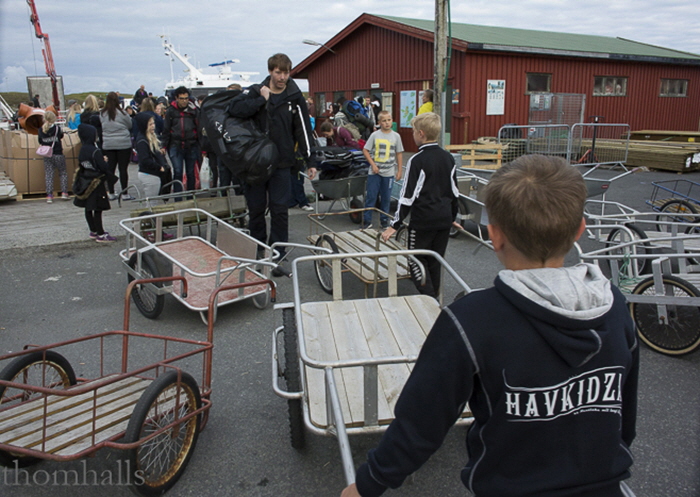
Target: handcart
343	190
221	256
677	200
371	271
345	362
222	202
471	211
141	401
660	278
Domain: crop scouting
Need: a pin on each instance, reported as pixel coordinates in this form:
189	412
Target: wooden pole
440	50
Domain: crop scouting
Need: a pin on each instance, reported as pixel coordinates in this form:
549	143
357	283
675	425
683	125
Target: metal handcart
676	200
345	362
343	190
221	256
140	400
371	271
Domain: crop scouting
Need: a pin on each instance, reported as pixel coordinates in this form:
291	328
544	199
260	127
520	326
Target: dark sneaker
281	271
366	226
93	235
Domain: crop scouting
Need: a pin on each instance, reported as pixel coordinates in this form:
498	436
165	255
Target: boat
199	82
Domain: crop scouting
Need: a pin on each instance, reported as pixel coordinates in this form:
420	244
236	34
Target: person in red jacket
338	136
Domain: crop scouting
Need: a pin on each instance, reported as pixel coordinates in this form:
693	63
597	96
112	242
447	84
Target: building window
674	88
610	86
538	82
320	104
338	97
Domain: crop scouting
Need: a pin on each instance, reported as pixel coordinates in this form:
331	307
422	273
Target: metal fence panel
599	143
544	139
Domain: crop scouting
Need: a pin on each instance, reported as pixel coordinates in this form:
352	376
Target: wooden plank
69	427
315	321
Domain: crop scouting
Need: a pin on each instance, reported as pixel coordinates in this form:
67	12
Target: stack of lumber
664	155
486	156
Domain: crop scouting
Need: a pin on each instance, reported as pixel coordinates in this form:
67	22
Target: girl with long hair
116	141
51	134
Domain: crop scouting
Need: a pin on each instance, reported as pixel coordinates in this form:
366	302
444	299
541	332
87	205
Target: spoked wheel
356	217
462	213
618	236
40	369
148	302
402	236
158	463
292	376
324	268
678	211
681	333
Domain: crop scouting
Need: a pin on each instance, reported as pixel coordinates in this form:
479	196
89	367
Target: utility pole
440	46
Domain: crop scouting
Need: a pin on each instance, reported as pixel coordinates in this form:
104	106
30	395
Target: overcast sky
101	45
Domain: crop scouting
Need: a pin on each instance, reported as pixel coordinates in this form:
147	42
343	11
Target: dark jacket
92	165
48	138
553	390
429	191
93	119
149	162
284	118
180	126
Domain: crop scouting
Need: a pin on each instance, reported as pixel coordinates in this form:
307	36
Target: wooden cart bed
367	240
69	420
363	329
195	256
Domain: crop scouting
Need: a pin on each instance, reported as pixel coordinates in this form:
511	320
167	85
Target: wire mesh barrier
582	143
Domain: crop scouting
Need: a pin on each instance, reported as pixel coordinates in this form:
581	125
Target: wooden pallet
474	155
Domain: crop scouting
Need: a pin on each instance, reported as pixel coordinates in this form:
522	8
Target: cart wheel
402	236
324	269
292	377
462	212
618	236
158	463
677	211
52	370
149	303
681	334
356	217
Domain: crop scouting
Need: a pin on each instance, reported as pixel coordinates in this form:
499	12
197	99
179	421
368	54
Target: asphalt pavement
59	284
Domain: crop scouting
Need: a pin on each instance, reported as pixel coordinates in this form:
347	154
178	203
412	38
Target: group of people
546	359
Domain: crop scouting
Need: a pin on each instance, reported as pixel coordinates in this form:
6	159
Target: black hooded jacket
91	166
285	119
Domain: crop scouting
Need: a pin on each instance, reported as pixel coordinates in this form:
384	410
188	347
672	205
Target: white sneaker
306	208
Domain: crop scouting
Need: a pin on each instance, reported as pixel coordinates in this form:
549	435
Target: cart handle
130	287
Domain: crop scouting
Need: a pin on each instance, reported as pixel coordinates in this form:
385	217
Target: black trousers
274	194
435	240
119	158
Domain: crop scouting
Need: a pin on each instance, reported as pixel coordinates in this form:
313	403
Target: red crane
46	51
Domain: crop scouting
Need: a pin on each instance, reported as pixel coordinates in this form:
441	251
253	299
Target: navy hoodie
548	361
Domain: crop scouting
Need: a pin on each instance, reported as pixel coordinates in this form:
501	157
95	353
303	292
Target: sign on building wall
408	108
495	97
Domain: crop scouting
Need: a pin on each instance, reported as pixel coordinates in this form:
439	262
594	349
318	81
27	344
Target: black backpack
238	143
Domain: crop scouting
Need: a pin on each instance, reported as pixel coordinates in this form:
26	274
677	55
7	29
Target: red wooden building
645	86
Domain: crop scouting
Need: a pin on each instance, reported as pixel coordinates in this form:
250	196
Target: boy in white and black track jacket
547	360
429	194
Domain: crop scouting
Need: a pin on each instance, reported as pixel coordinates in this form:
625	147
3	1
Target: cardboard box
26	169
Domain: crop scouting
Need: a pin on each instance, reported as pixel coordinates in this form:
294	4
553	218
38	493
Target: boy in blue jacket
547	360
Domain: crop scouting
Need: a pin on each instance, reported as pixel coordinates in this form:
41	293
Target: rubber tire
679	206
138	422
462	210
401	236
356	217
642	264
10	373
292	376
150	305
684	321
324	271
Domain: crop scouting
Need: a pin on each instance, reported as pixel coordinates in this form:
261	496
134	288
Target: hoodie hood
565	305
142	119
87	134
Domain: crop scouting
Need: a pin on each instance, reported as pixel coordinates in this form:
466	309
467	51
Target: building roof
553	43
470	37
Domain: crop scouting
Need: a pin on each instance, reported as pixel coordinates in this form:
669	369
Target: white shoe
306	208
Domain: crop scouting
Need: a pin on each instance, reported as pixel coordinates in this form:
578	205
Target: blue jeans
378	186
177	157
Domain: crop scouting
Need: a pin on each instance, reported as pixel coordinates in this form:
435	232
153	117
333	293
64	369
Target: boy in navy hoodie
547	359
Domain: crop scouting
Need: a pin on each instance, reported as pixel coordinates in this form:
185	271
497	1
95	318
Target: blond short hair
429	124
537	202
